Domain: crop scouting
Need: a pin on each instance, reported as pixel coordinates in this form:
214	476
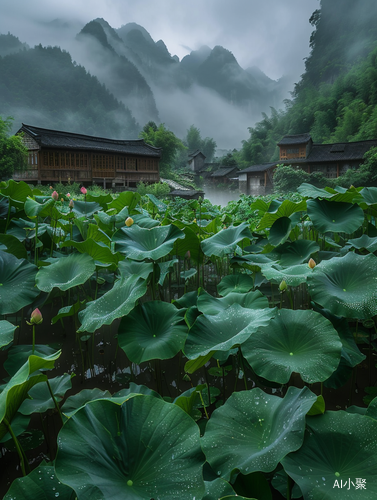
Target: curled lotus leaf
225	241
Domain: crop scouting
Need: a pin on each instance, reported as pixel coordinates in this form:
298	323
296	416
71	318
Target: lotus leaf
154	330
294	253
268	428
85	208
208	304
218	488
230	328
99	251
16	390
6	332
40	484
280	230
40	397
125	199
338	448
139	243
347	286
335	216
33	208
225	241
297	341
17	280
146	448
235	283
133	268
13	246
364	242
285	209
293	275
66	273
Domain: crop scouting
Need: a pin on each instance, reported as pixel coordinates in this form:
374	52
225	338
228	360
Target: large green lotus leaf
133	268
253	430
67	311
101	199
310	191
118	302
293	275
33	208
16	390
17	193
97	250
208	304
139	243
338	446
40	484
253	262
226	240
294	253
13	245
347	286
364	242
41	399
280	230
165	269
369	195
296	341
17	283
85	208
77	401
190	243
235	283
153	330
285	209
19	354
230	328
127	199
335	216
145	221
6	332
144	449
350	352
66	273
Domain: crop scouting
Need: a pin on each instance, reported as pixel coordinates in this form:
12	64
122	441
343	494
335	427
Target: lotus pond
155	350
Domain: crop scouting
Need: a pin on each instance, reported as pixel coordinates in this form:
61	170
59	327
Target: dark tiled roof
67	140
294	139
259	168
224	171
350	151
196	153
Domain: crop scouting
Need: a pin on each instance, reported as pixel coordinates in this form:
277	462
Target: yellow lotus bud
283	286
129	221
312	263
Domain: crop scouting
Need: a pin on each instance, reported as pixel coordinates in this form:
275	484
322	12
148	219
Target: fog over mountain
217	65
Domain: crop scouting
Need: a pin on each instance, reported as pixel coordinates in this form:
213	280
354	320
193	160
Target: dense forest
335	100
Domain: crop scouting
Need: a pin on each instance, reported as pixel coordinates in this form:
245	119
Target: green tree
194	141
161	137
13	154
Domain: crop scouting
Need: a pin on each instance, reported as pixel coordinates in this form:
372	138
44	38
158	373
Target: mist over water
220	196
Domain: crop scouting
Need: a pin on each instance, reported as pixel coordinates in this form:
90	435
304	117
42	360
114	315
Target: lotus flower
36	317
83	190
312	263
55	196
71	204
129	221
68	195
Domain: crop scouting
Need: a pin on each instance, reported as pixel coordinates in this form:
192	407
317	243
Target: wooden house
56	156
299	151
196	161
225	175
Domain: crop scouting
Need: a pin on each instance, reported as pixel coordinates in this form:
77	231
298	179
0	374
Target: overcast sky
271	34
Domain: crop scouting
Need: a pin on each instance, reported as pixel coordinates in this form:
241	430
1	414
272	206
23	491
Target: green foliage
289	179
194	141
159	189
13	154
161	137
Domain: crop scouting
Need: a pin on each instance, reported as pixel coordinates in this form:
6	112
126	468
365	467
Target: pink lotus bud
312	263
55	196
51	187
68	195
71	204
83	190
129	221
36	317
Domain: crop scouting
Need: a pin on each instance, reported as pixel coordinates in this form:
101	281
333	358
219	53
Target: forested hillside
336	99
44	83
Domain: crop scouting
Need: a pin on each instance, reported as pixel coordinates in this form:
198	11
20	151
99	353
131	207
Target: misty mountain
208	88
45	87
10	44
